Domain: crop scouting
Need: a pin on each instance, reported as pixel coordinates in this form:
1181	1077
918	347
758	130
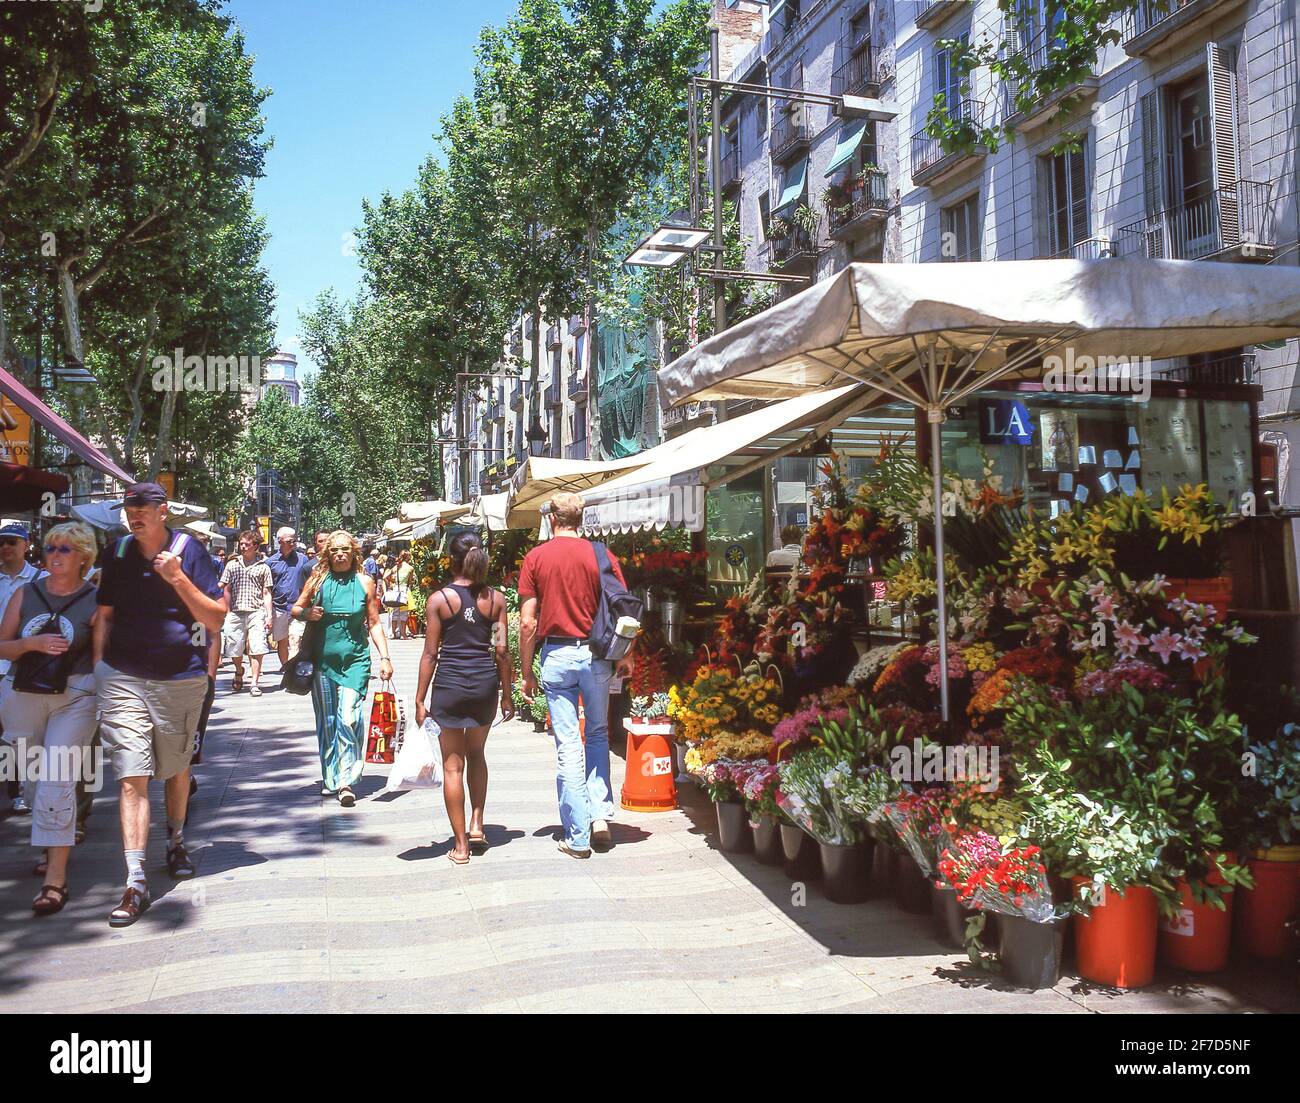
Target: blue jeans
582	783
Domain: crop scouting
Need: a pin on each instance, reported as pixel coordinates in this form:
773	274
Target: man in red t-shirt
559	587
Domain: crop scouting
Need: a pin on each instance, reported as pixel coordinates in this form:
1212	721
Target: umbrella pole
936	417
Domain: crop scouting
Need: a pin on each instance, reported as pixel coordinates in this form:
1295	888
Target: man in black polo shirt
159	604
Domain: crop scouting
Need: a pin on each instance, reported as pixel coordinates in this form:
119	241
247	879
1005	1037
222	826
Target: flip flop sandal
451	857
478	844
135	902
179	864
51	899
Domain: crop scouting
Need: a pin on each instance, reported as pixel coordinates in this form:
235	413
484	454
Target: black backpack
613	602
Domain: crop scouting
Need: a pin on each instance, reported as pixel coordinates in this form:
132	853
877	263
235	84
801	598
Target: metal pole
935	416
715	164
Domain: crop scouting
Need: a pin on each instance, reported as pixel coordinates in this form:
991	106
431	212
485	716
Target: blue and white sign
1005	421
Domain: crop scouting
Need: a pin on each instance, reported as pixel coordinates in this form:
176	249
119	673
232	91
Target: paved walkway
301	905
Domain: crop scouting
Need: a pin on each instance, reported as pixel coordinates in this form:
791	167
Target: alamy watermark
24	762
1085	374
178	372
934	762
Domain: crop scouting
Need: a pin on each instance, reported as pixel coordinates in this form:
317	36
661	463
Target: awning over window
79	445
796	179
851	134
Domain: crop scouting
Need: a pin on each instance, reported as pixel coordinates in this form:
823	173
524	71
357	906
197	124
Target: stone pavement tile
705	930
552	914
1164	995
985	996
817	986
273	997
456	952
492	892
614	997
107	991
197	976
534	944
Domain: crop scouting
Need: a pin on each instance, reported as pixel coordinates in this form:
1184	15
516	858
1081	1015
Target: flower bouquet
825	796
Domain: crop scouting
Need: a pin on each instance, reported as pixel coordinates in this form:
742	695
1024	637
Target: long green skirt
340	731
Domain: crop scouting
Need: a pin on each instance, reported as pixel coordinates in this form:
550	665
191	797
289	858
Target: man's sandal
179	864
135	902
51	899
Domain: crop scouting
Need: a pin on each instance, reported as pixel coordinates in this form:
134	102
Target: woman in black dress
467	658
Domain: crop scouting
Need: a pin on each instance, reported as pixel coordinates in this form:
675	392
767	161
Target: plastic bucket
648	780
949	916
733	827
1262	912
1116	942
1030	952
1199	936
845	877
911	886
799	851
767	840
882	869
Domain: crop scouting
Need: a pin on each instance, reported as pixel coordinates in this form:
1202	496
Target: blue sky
357	88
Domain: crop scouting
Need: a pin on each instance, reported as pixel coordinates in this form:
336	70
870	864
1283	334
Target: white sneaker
21	807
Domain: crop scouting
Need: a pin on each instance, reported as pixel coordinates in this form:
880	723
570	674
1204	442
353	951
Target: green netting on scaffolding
623	367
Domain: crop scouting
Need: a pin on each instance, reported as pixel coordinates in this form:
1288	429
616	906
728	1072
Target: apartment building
1186	148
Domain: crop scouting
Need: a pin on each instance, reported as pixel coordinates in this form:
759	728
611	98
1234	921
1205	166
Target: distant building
281	370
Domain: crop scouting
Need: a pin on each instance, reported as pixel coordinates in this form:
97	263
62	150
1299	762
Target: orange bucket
1264	910
1116	942
1198	937
648	782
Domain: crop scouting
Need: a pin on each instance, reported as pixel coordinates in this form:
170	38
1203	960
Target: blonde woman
48	696
339	599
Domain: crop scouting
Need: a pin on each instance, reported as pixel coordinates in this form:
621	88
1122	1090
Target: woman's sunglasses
62	549
338	551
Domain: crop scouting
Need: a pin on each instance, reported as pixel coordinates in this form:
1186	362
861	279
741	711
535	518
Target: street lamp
536	438
669	245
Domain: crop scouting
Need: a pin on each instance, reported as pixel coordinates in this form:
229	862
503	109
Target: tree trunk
71	310
47	98
533	398
592	413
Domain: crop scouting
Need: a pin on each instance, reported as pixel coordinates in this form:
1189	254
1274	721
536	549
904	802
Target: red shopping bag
385	727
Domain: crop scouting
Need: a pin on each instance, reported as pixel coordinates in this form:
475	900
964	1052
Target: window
765	212
959	230
1063	183
947	81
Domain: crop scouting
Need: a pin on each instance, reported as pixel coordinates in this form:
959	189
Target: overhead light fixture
866	107
670	244
536	438
73	371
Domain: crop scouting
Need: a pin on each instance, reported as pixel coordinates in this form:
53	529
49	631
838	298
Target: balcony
1234	369
791	134
578	387
553	339
1036	51
517	398
730	179
937	11
528	327
516	344
857	76
1155	24
931	162
577	325
784	20
796	249
495	408
854	207
554	394
576	451
1090	248
1228	223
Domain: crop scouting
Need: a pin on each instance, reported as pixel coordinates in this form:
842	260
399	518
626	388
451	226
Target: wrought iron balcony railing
791	133
578	387
1090	248
857	205
796	246
1233	369
730	168
1233	219
576	451
928	151
553	340
856	76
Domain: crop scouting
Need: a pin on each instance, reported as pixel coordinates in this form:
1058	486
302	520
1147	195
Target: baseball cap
16	528
144	494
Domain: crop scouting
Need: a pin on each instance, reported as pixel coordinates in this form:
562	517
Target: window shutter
1223	128
1079	198
1153	177
941	74
1047	192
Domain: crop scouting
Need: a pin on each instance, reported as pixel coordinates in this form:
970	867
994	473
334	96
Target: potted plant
1273	794
760	793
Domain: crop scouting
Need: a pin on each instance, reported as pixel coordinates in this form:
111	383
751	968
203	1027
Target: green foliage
1275	794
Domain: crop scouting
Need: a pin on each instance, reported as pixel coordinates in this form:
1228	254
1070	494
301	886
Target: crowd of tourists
122	645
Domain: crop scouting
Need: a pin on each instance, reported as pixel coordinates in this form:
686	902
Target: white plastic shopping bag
418	764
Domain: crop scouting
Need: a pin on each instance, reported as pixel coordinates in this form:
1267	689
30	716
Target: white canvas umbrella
108	513
932	334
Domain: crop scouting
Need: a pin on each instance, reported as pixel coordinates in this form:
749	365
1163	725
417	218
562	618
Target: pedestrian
467	657
290	570
559	587
340	598
160	598
247	582
319	538
371	565
48	700
15	572
395	600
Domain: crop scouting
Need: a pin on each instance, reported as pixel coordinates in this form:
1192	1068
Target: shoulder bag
37	672
300	670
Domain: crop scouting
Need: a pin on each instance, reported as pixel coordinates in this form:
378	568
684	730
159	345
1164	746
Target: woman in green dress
340	599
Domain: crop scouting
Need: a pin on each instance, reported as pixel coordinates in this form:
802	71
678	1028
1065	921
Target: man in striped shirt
247	582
